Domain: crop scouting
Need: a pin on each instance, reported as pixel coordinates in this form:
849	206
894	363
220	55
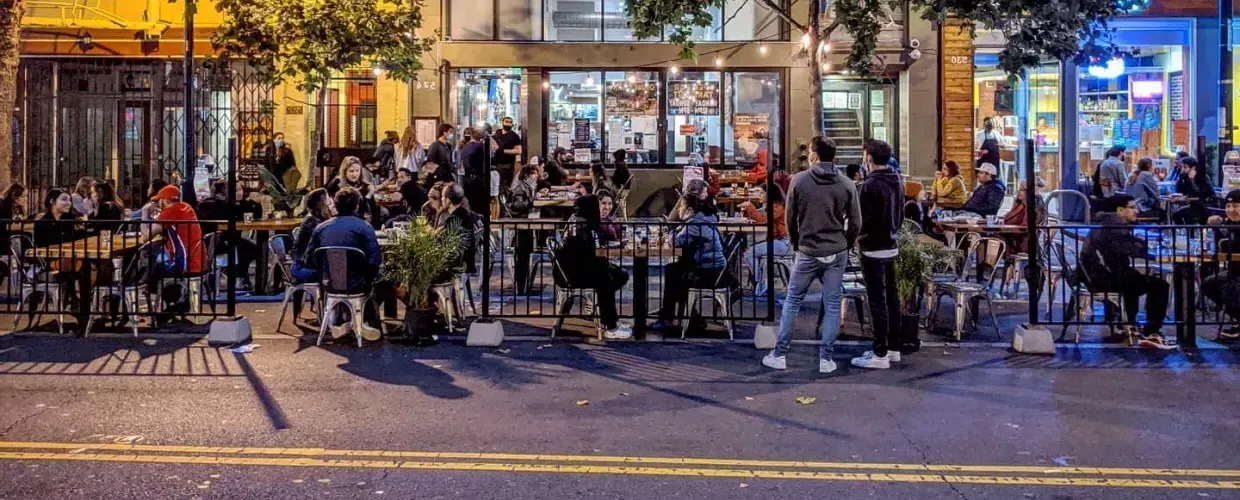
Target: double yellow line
1010	475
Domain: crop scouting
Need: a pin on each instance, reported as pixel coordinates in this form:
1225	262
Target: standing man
477	175
882	201
440	154
508	153
824	218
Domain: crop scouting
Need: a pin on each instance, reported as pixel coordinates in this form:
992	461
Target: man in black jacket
881	201
1224	287
1106	264
988	198
440	154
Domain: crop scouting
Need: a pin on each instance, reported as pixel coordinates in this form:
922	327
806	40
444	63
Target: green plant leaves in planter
917	262
419	256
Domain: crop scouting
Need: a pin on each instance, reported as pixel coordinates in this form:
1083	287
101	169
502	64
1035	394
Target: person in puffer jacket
987	199
702	263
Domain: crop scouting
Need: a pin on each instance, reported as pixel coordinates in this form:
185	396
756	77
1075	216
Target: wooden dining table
86	252
951	228
554	202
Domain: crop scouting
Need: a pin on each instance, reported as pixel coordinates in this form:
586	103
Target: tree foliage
308	40
1035	30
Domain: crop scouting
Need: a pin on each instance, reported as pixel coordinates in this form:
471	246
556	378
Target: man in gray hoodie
824	218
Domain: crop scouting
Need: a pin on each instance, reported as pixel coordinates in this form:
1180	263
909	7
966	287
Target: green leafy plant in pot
413	261
918	261
282	198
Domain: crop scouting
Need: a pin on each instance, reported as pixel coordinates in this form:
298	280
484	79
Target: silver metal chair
336	263
35	277
985	255
280	245
721	293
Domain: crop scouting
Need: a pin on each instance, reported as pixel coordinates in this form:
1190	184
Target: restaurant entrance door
858	111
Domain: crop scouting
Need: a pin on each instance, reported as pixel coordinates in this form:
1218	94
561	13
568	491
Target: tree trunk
11	12
320	134
815	64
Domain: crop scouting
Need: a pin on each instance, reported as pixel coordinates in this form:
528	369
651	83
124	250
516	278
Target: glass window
631	105
519	19
693	117
753	118
615	22
712	33
469	22
575	121
749	20
487	95
1027	110
1135	102
573	20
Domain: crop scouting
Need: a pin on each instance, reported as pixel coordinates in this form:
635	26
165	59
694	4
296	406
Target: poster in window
854	100
581	155
426	130
615	135
581	131
624	98
685	98
1181	133
690	173
752	132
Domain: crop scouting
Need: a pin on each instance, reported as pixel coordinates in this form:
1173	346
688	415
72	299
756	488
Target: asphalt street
170	417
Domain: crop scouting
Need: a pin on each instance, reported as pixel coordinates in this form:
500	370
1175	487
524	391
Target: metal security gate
122	120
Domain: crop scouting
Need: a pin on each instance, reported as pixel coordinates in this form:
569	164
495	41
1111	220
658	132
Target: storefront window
753	111
615	22
486	96
1028	109
469	22
575	111
519	19
631	105
693	117
857	111
573	20
749	20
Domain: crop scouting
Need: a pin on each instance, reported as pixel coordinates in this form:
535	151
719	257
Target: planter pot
419	326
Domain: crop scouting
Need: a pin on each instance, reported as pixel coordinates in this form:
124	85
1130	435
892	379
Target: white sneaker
826	365
618	333
371	334
775	362
893	356
869	360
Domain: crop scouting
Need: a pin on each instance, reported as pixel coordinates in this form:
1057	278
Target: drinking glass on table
248	217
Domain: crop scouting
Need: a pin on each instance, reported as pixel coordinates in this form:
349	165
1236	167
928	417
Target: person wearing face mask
508	152
440	156
280	159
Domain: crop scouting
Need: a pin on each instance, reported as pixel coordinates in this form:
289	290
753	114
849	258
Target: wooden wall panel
956	84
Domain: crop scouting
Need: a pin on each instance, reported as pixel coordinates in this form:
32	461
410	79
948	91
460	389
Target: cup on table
105	239
279	215
991	219
248	217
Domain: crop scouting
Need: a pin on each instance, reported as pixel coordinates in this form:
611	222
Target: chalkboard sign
248	171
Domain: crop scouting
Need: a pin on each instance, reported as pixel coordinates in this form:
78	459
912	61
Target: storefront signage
751	132
1181	134
624	98
688	129
1126	133
691	98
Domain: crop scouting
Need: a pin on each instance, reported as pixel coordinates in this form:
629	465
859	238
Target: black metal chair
720	294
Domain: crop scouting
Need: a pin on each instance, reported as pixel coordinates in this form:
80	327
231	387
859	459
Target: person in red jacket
777	246
757	174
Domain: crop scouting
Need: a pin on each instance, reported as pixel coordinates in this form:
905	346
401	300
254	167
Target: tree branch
770	4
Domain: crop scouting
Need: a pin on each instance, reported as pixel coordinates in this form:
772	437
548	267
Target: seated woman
598	178
948	191
519	206
1224	288
582	267
1194	185
1018	243
57	225
319	208
608	231
351	175
702	262
698	189
777	246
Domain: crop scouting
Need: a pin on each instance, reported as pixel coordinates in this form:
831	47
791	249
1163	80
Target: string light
762	49
673	70
378	71
546	85
719	62
589	81
632	79
826	67
805	40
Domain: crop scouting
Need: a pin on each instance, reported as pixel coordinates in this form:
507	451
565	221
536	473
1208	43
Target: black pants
608	286
247	253
1132	284
521	261
681	275
880	288
478	193
1224	289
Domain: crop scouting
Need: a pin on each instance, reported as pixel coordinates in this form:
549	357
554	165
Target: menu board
1126	133
686	98
248	170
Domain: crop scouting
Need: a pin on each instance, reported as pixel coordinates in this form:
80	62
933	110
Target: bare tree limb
779	11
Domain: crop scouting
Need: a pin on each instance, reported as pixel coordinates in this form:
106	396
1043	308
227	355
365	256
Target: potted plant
282	198
918	261
413	261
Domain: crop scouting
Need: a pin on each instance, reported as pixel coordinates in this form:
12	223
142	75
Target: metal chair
721	293
985	255
335	263
449	300
564	291
855	291
1054	203
35	276
1083	297
949	275
128	293
279	246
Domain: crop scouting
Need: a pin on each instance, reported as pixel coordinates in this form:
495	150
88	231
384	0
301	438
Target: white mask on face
279	143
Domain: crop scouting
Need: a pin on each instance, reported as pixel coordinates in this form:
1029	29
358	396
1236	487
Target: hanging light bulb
546	85
632	79
378	71
826	67
718	62
805	40
673	70
762	49
589	81
825	47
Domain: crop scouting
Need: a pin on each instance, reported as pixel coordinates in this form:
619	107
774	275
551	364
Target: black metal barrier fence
81	274
1127	276
531	276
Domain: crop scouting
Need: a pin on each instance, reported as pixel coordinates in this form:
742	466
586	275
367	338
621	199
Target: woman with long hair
409	152
352	174
54	227
598	178
609	231
319	208
948	191
11	207
110	206
82	197
582	266
1194	185
779	246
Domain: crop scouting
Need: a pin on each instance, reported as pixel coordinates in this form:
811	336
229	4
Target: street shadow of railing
146	357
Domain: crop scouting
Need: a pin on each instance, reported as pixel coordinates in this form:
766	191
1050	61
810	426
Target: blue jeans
805	270
304	274
756	256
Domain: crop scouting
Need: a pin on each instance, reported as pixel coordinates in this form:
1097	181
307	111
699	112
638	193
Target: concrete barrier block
764	337
1033	340
485	333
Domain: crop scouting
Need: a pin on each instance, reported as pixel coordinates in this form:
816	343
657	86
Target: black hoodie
1109	249
882	200
824	213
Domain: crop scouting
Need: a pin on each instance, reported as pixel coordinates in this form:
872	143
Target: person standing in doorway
824	218
508	154
882	197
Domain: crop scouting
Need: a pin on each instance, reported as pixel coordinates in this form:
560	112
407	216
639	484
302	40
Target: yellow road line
630	471
787	464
